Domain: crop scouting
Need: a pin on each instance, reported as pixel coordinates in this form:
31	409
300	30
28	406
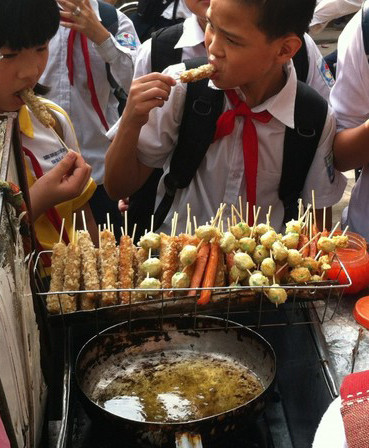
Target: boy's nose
30	70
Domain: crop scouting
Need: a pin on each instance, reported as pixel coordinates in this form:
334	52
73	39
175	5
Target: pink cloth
4	441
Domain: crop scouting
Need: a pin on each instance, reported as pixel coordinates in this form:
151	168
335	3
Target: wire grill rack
227	302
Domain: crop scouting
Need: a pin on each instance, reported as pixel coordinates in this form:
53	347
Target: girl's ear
290	45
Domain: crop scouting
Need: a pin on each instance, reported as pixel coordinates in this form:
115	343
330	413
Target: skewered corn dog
109	267
169	261
38	108
72	275
195	74
57	276
89	270
126	271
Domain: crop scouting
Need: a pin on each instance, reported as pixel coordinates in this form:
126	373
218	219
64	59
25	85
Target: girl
59	180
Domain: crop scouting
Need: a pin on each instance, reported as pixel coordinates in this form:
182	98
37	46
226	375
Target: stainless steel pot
99	358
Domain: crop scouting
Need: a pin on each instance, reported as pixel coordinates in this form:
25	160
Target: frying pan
116	347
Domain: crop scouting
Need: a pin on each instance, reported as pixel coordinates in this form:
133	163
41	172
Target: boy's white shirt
220	177
120	53
350	101
328	10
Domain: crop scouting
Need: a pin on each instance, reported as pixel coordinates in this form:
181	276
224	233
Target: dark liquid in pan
178	387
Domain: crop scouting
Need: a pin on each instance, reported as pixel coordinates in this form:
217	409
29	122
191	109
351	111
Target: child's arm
124	173
350	147
65	181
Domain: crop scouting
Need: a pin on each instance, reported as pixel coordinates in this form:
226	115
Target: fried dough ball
243	261
240	230
293	226
260	229
294	258
268	238
247	244
180	280
260	253
237	274
276	294
311	264
152	266
316	278
206	232
280	251
291	240
150	240
228	242
151	283
258	280
268	267
326	244
188	255
300	275
340	240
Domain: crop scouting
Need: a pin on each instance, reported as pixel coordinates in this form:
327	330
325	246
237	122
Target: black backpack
202	109
151	10
109	18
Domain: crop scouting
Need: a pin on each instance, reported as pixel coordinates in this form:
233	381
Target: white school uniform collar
192	33
281	105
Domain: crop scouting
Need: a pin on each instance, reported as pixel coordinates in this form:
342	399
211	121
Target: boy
250	43
350	101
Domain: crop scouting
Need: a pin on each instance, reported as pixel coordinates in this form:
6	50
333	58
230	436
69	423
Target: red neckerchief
225	125
90	79
52	214
355	408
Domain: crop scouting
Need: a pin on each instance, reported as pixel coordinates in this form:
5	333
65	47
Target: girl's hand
65	181
146	93
81	17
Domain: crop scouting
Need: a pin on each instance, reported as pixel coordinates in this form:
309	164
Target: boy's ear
290	45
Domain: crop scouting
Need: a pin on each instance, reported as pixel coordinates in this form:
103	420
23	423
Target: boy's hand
146	93
65	181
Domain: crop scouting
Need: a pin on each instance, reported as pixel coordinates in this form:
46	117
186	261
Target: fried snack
57	276
72	275
195	74
220	276
126	271
37	107
90	273
169	249
109	267
139	257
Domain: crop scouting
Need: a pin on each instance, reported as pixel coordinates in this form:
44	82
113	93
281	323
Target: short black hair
27	23
277	18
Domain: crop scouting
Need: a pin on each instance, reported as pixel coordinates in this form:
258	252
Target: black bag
151	10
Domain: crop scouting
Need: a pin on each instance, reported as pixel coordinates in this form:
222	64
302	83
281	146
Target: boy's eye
41	49
8	55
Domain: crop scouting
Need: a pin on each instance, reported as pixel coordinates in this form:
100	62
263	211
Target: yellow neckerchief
25	122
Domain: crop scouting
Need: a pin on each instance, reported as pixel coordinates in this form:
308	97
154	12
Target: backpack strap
365	27
163	53
300	146
301	62
202	108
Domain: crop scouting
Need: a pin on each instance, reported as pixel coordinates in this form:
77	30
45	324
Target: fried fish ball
247	244
241	230
300	275
316	278
294	258
268	267
260	229
206	232
291	240
150	240
258	280
280	251
293	226
180	280
188	255
243	261
260	253
151	283
268	238
152	266
236	274
340	240
326	244
311	264
276	294
228	242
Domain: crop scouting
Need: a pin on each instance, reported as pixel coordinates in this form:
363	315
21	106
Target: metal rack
227	302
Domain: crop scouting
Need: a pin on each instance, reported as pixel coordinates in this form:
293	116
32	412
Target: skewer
126	222
314	209
300	209
234	209
122	230
247	212
61	231
240	205
61	141
344	232
255	220
134	232
324	216
329	236
195	223
229	224
74	227
84	221
99	231
306	212
108	220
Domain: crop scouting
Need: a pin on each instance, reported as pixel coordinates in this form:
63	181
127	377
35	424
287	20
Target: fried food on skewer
126	271
90	272
72	275
38	108
169	261
196	74
57	276
109	267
